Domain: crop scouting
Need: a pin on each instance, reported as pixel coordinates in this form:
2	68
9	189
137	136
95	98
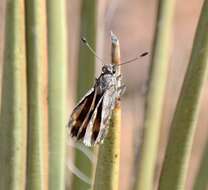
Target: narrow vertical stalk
13	118
183	126
107	171
158	77
201	181
86	70
37	158
57	52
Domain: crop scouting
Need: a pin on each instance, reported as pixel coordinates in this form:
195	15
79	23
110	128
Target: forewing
80	112
93	127
84	125
108	105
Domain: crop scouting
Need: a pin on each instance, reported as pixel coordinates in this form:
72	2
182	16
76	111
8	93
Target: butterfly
89	121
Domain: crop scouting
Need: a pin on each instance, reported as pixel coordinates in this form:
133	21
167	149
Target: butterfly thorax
107	79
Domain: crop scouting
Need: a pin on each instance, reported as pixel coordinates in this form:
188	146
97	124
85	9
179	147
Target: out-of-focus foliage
37	83
13	116
57	91
85	74
183	126
156	94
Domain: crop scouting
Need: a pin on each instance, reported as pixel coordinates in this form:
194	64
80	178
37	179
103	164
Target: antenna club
144	54
84	40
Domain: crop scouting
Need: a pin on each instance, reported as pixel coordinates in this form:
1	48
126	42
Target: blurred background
133	22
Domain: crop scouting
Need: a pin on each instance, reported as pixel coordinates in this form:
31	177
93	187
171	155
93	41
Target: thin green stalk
57	52
37	65
158	78
183	126
201	181
86	70
13	118
107	170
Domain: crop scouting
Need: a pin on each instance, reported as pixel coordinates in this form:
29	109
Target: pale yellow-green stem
156	94
37	80
57	88
107	171
13	117
85	80
183	126
201	181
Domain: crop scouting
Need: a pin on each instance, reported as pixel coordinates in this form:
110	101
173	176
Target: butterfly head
109	69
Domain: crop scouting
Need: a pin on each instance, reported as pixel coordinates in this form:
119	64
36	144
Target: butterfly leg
121	90
119	78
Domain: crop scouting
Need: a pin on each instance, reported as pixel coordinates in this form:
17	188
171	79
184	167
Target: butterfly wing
93	127
84	113
80	112
90	118
99	122
108	104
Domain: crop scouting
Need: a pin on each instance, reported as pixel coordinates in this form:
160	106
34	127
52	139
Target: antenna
134	59
84	40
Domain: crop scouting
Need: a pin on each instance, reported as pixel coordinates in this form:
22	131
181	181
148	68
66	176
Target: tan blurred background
133	22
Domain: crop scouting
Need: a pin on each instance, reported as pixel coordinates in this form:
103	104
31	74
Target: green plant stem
13	118
37	65
183	126
107	170
201	181
156	93
57	52
86	70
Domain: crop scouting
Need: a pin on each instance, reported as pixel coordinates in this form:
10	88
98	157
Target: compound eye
114	70
104	69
